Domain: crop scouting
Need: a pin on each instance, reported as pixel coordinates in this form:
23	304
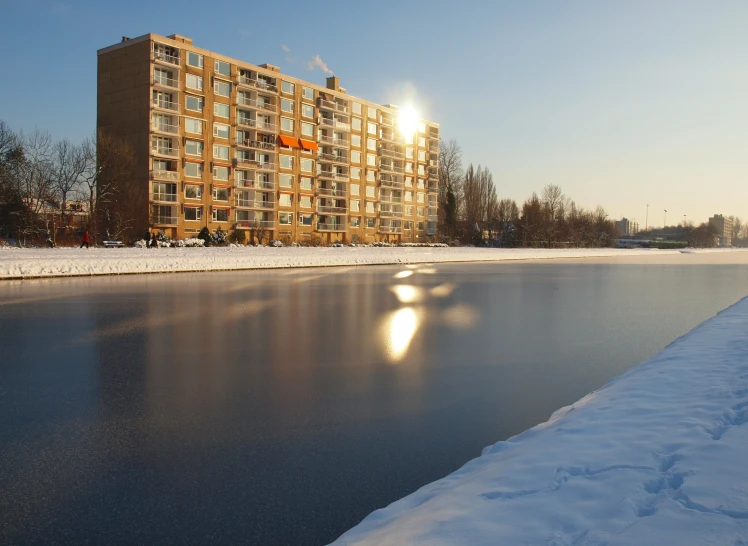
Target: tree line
40	178
470	211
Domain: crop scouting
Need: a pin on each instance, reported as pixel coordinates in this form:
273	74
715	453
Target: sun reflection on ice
406	293
398	330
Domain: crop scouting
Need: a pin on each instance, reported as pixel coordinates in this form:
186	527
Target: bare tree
35	183
69	166
450	185
11	155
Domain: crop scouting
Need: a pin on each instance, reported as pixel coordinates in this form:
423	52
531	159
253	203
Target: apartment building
224	143
723	227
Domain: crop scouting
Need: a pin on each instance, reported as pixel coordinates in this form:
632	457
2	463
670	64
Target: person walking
86	239
154	242
147	239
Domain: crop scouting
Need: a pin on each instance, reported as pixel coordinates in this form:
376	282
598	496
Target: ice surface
659	455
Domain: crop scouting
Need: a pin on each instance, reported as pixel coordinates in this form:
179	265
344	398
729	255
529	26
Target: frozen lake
281	407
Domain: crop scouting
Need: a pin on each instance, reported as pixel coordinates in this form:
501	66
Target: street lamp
646	219
664	222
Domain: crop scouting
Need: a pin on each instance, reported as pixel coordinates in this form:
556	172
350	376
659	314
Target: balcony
391	168
386	211
167	128
157	174
162	104
331	175
257	83
266	166
254	204
255	144
332	122
389	229
257	105
434	135
431	231
391	152
160	197
164	152
330	192
390	181
160	81
386	198
386	120
332	105
333	158
330	209
432	187
331	226
164	58
388	136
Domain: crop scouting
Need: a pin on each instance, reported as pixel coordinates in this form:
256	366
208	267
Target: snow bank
30	263
657	456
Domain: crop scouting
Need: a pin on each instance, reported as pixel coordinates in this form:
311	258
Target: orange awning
309	145
291	142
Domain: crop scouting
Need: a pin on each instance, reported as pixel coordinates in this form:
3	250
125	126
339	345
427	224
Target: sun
407	120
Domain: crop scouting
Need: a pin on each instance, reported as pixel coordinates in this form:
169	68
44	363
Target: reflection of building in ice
398	330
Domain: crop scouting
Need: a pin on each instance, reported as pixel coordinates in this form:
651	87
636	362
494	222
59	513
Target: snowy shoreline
656	456
71	262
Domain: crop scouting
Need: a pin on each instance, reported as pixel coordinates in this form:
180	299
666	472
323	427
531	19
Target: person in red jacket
85	239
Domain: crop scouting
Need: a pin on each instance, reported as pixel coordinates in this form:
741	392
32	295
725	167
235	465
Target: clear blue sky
620	103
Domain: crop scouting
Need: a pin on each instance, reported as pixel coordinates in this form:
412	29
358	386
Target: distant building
627	227
723	226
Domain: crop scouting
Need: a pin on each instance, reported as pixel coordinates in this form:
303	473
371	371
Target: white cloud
285	48
317	62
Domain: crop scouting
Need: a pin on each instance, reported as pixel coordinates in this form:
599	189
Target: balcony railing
165	82
390	180
257	144
388	136
164	58
253	103
391	168
168	152
327	209
331	122
255	224
162	220
384	198
388	212
332	105
390	229
389	152
164	175
333	158
165	104
255	204
432	187
430	231
266	166
330	227
386	120
330	175
257	83
165	128
164	197
332	192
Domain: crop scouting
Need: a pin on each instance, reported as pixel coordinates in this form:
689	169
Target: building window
307	111
221	131
408	153
192	191
307	93
408	224
305	202
220	152
356	141
305	219
420	199
356	124
284	218
408	181
285	180
194	59
421	127
421	155
421	170
286	200
371	144
220	215
419	212
370	191
194	82
372	112
194	104
287	105
288	88
221	110
355	189
220	194
307	165
422	142
193	214
372	127
371	222
355	205
356	173
370	176
408	210
355	220
287	124
220	173
356	108
408	167
222	89
371	160
223	68
370	207
193	170
307	129
193	147
286	162
420	226
306	183
409	196
355	156
192	125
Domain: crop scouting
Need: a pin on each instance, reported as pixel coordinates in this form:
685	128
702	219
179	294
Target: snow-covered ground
657	456
30	263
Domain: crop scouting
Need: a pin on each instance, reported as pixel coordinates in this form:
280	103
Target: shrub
238	236
205	236
219	237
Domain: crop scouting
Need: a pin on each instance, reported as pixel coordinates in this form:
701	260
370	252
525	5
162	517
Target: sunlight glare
407	120
398	331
